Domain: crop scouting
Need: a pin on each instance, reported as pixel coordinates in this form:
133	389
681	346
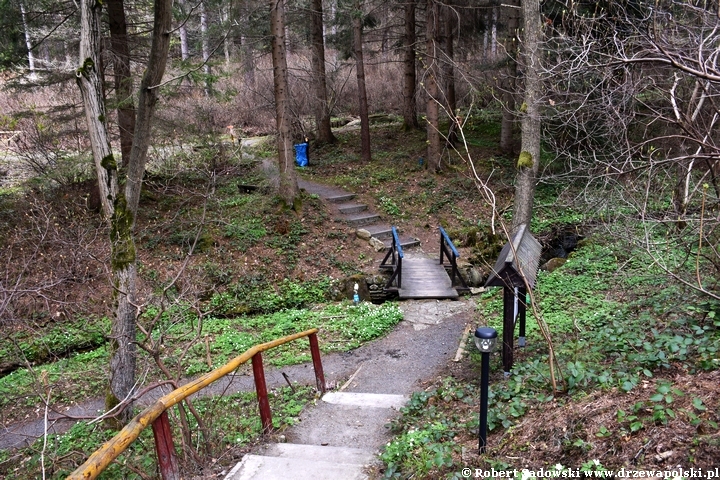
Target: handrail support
261	389
165	448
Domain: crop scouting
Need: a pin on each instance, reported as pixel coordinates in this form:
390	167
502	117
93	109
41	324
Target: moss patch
122	242
525	160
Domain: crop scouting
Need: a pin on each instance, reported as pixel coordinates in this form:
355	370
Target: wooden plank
425	278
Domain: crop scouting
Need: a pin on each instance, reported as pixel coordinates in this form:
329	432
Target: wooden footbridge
419	277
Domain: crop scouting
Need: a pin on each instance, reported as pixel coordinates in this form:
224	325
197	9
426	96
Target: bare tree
120	189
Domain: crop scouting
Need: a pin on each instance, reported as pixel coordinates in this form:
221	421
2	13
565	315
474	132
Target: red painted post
261	389
164	448
317	363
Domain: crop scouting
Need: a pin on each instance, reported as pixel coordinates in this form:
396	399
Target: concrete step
340	198
343	455
368	400
348	208
358	219
260	467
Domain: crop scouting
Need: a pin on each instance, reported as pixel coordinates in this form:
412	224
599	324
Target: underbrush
639	360
231	421
192	346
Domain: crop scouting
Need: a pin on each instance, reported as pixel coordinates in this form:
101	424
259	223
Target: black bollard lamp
485	341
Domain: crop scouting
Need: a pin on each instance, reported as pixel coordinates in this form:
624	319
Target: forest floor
56	250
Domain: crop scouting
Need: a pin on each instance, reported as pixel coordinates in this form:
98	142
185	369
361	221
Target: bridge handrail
395	253
446	243
396	243
110	450
449	242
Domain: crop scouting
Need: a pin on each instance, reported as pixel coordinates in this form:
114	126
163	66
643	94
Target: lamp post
485	341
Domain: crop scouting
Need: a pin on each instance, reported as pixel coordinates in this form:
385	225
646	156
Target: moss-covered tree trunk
288	188
120	195
529	161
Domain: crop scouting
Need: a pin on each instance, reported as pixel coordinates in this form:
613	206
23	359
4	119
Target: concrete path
342	435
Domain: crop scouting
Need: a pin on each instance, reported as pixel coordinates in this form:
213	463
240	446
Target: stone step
381	232
358	219
405	242
259	467
340	198
348	208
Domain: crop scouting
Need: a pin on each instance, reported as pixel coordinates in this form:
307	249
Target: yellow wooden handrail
102	457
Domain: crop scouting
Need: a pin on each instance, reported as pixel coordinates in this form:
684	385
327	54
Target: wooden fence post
167	459
261	389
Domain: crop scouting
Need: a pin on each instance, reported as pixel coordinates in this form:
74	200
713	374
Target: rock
474	276
477	290
363	234
378	245
553	264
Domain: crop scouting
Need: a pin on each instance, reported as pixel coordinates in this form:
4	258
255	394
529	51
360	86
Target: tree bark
205	45
123	81
28	41
287	188
120	208
410	121
507	125
448	71
529	161
182	31
360	70
431	86
322	110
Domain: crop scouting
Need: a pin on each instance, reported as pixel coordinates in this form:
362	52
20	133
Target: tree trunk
529	160
205	44
360	70
410	120
431	85
121	208
28	41
123	81
448	71
288	188
248	62
507	125
182	31
322	112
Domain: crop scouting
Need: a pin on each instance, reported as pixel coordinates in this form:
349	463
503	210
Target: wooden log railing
448	250
395	255
156	414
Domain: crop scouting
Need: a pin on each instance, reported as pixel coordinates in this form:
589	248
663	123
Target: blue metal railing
395	255
447	249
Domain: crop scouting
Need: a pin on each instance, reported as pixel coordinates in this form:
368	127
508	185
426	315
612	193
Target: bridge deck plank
425	278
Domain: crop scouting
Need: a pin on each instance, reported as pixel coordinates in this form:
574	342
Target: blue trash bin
301	154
